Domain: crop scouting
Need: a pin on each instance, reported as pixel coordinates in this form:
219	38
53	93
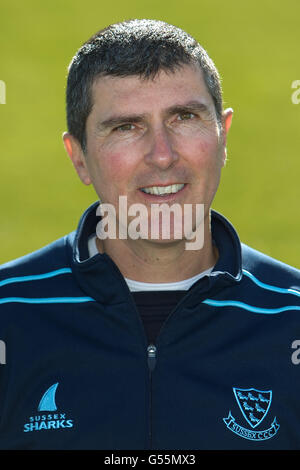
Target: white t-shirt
137	286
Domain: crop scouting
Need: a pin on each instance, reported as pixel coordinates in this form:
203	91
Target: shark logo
48	421
47	402
254	405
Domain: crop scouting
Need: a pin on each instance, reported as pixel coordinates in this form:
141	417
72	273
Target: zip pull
151	350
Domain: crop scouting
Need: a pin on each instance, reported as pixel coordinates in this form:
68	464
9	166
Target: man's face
148	135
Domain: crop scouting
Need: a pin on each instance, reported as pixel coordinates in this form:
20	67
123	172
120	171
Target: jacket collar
100	278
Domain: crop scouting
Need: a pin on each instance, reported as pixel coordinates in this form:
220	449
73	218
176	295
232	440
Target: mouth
163	190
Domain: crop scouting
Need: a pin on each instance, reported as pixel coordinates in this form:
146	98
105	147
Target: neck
161	262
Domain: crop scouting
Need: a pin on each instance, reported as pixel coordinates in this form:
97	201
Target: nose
161	152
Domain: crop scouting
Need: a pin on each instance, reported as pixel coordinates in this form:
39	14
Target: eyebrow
190	106
117	120
114	121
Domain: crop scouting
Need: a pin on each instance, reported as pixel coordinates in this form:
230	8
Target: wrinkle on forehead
137	96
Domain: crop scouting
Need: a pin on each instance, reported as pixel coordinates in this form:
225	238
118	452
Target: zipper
151	355
151	350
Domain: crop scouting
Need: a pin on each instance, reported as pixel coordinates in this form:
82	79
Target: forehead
137	94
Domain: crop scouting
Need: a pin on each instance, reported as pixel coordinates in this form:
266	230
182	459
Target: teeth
159	190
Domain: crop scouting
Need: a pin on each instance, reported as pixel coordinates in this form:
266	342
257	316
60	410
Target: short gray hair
133	47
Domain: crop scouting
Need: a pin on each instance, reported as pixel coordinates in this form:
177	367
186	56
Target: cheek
206	162
120	167
206	148
111	172
122	159
202	153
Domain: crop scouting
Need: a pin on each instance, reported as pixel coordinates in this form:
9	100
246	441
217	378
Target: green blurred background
255	46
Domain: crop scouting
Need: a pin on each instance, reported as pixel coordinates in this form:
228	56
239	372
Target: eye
124	127
186	116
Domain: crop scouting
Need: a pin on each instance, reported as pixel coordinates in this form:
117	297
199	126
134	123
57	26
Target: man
120	341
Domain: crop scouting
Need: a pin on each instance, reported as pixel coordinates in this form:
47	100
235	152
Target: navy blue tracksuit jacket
77	372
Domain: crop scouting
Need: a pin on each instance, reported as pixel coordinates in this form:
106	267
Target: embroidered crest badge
254	405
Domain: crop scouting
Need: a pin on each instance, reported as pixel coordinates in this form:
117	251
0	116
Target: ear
76	154
226	124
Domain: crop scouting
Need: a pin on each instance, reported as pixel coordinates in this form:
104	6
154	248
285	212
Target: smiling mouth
163	190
